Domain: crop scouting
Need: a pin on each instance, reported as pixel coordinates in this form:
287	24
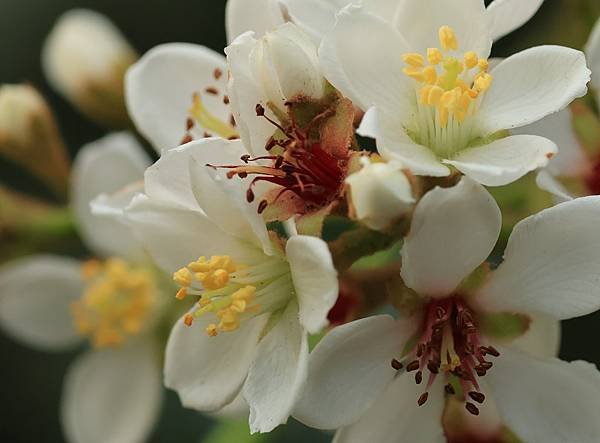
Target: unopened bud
285	64
29	136
380	193
85	58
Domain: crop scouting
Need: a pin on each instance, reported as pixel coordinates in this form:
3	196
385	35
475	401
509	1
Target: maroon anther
397	365
302	166
450	346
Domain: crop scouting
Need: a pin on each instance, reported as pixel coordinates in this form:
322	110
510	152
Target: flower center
116	303
212	125
451	86
451	346
233	292
299	166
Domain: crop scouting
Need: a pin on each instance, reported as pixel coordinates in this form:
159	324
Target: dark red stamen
397	365
304	168
450	344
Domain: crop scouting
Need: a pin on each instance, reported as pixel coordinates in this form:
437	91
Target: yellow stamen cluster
447	83
115	303
209	121
221	295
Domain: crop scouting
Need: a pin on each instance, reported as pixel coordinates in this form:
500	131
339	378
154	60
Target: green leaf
229	431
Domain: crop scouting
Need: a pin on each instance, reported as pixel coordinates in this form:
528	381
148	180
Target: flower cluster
368	291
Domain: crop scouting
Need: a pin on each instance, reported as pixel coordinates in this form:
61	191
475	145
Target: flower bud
285	63
380	193
29	136
85	58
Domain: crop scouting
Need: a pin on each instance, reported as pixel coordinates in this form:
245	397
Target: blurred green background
30	382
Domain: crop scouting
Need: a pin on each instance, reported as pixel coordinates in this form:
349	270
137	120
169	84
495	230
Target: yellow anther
430	75
435	95
483	65
239	306
115	304
434	56
415	73
181	294
465	102
90	268
448	39
483	82
216	279
471	59
449	99
188	320
211	330
424	94
247	293
210	122
183	277
414	59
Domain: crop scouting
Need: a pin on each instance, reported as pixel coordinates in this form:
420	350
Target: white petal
505	16
394	144
531	85
106	166
551	264
175	236
547	182
592	51
112	396
548	401
225	200
380	193
349	369
169	178
236	410
208	372
396	417
35	298
316	17
504	161
368	70
277	373
571	159
542	339
420	20
286	66
245	94
259	16
453	231
369	124
159	90
113	205
315	280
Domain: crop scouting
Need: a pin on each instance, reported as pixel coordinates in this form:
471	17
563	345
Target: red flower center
451	346
302	168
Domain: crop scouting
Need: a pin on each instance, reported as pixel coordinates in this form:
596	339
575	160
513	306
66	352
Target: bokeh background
30	382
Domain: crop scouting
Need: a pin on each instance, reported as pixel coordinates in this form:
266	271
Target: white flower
435	103
380	193
317	17
259	297
177	91
52	303
448	347
84	58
